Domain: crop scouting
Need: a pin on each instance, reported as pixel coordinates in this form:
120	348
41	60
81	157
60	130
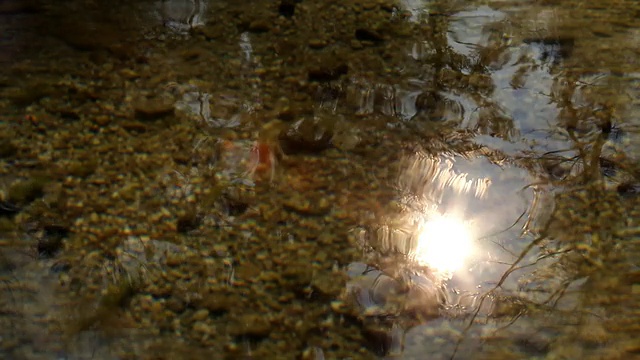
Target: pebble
152	108
203	328
201	314
249	325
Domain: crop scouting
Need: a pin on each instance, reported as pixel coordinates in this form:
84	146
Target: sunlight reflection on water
444	244
451	209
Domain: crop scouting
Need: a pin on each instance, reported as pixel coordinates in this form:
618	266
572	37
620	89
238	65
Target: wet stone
176	305
249	325
628	189
26	95
317	43
288	112
7	149
134	126
237	199
200	315
305	206
307	135
328	286
211	31
287	8
377	337
8	208
24	192
259	26
203	328
86	36
51	240
297	275
327	66
14	7
6	225
83	169
248	271
60	267
153	108
188	222
219	303
369	35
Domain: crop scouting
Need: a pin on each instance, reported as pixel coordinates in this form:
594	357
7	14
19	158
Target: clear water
209	179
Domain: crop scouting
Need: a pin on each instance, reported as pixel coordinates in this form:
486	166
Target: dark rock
8	208
608	168
259	26
15	7
27	94
72	114
24	192
329	93
134	126
288	110
626	189
188	222
236	199
7	149
153	108
88	35
287	8
328	72
235	208
211	31
369	35
307	135
51	240
378	338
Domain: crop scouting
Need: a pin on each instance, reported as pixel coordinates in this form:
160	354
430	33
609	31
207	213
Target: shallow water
319	179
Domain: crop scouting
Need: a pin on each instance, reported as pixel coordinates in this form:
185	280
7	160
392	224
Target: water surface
319	179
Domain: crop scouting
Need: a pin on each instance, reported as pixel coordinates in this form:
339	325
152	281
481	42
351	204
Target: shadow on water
319	179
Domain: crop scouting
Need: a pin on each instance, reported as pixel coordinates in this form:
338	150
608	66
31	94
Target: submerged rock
7	149
8	209
51	239
153	108
249	325
307	135
24	192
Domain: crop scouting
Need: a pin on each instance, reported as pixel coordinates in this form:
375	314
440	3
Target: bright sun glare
444	243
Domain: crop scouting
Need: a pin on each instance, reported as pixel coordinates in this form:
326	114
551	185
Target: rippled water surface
306	179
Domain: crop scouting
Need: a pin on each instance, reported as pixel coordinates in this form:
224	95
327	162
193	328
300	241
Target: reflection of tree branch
555	253
507	229
512	268
559	293
512	321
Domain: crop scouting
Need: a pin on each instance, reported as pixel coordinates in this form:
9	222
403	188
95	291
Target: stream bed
319	179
